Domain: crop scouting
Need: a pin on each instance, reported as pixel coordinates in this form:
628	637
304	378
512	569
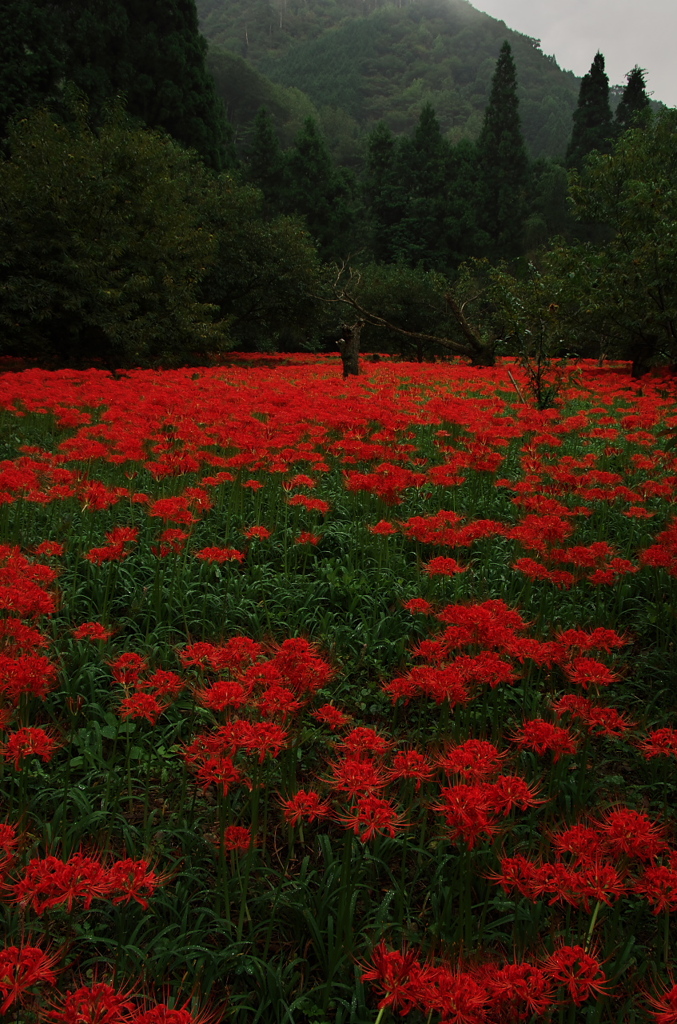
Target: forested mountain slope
361	62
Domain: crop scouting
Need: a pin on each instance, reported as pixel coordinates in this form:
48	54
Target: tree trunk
349	347
642	352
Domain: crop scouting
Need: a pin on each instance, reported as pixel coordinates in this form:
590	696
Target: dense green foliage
593	126
634	102
380	62
148	50
119	246
502	162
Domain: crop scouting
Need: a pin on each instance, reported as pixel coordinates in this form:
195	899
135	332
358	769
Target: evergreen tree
423	161
317	191
634	101
502	163
593	126
264	162
385	194
148	50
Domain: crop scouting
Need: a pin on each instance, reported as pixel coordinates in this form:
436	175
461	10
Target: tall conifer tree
264	162
423	162
593	125
316	190
502	163
385	194
634	101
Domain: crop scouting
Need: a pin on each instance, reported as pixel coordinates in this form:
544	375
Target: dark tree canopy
634	101
502	162
31	64
148	50
593	124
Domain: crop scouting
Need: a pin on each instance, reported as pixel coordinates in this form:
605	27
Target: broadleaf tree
103	244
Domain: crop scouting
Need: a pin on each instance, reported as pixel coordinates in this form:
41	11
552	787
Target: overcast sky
627	32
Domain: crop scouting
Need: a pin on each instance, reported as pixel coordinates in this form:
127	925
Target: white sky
627	32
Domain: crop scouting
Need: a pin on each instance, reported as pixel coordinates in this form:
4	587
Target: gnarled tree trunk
349	347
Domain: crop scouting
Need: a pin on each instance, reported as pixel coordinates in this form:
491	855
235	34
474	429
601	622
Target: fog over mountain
627	33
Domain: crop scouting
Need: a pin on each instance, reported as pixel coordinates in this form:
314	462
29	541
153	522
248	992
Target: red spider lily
659	743
257	533
599	719
307	538
18	638
22	967
417	605
237	837
30	674
583	842
373	816
519	990
587	672
163	1014
536	571
410	764
28	741
383	528
509	792
580	972
484	669
440	684
174	509
142	705
442	566
362	740
600	638
312	504
92	631
220	555
632	834
235	655
117	548
300	480
518	873
598	881
133	880
467	812
331	716
299	663
664	1006
658	885
50	548
8	843
475	760
171	541
162	683
127	668
356	776
50	882
541	736
99	1004
455	994
394	973
387	481
278	700
219	771
306	805
224	693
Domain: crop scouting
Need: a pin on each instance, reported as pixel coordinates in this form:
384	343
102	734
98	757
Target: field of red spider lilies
335	701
